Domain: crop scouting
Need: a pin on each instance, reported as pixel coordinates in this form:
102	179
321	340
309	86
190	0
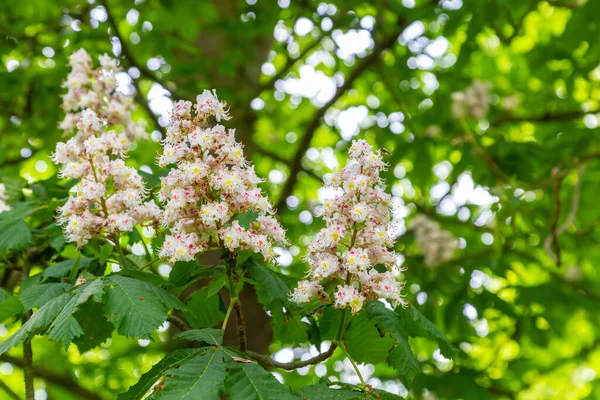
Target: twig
128	54
180	323
241	325
269	362
500	175
57	379
288	65
546	117
366	62
9	391
144	103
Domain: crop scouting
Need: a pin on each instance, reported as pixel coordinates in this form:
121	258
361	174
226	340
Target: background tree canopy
488	110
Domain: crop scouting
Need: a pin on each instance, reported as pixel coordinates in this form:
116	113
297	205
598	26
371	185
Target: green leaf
171	360
404	322
65	327
323	392
288	328
135	307
10	305
204	311
14	235
208	335
38	295
199	378
249	381
329	322
38	321
63	268
270	288
96	329
417	325
363	331
185	273
402	359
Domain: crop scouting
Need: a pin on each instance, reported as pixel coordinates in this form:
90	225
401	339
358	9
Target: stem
27	351
362	381
228	314
120	251
148	255
234	302
241	326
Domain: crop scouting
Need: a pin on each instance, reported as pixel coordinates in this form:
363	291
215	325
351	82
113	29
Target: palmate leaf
248	381
404	322
37	295
96	329
65	327
402	359
63	268
15	233
364	342
201	377
417	325
204	311
10	305
208	335
322	391
39	320
136	307
271	287
171	360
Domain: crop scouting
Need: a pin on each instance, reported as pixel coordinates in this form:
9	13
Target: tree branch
9	391
267	361
546	117
130	58
366	62
59	380
288	65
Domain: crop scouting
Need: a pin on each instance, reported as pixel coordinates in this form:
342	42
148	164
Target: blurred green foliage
519	300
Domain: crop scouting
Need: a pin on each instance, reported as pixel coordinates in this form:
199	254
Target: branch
277	157
59	380
130	58
241	326
366	62
8	390
269	362
546	117
288	65
144	103
180	323
552	239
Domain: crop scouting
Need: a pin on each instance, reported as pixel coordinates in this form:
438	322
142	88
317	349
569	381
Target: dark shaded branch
552	240
366	62
288	66
144	103
57	379
546	117
179	323
9	391
130	58
267	361
277	157
241	325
